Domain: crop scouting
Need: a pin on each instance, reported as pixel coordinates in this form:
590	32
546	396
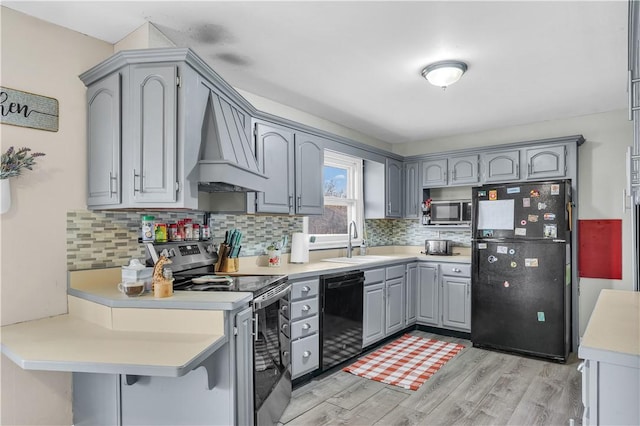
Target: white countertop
613	331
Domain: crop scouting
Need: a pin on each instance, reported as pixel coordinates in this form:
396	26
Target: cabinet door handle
306	354
306	289
517	170
453	175
136	175
299	202
529	168
631	86
112	178
285	327
468	288
389	207
306	308
285	354
456	270
255	327
284	308
306	326
290	201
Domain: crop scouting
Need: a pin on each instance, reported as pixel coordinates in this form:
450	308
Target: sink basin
357	259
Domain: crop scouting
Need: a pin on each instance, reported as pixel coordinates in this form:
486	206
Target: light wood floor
476	387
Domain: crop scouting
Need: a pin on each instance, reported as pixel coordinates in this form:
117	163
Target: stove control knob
165	253
172	252
210	248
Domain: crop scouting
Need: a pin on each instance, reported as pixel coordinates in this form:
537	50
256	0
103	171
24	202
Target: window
342	180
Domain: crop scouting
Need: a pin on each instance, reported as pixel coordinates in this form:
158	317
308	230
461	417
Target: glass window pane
335	182
333	221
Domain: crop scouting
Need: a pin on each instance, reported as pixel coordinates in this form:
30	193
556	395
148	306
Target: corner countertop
613	331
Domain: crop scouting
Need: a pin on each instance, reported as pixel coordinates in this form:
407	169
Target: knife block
228	264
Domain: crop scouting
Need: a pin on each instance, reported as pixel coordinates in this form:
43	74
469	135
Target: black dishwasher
340	317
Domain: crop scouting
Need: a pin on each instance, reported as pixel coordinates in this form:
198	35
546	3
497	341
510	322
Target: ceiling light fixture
444	73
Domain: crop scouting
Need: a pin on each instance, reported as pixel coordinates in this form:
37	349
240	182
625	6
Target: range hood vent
227	161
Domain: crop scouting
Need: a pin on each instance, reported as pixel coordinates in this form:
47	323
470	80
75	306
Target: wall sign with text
28	110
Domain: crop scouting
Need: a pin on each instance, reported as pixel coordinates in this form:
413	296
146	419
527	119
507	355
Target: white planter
5	195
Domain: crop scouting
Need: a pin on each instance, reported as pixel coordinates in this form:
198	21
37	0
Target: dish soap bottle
363	248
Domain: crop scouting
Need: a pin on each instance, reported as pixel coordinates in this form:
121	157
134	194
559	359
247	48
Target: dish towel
406	362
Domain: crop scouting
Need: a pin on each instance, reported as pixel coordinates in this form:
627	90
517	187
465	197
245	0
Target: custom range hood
227	161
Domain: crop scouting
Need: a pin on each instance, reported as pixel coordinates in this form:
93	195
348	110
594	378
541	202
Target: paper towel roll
299	248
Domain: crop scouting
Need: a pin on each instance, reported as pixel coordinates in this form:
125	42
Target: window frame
354	166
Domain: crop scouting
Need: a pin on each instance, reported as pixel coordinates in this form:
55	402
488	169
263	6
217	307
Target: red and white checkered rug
406	362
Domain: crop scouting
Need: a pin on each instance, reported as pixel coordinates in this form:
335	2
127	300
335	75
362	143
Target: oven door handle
271	296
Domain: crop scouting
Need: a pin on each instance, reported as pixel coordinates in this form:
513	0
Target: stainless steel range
193	270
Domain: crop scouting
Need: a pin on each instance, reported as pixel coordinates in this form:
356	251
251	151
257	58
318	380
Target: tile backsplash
105	239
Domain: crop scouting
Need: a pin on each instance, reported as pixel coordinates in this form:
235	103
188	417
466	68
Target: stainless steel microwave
451	212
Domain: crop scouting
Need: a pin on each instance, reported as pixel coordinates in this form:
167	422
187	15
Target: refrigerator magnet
549	216
482	246
533	218
542	206
502	249
482	193
541	316
514	190
534	193
531	263
520	232
506	284
512	252
523	222
526	202
487	232
555	189
492	259
493	195
514	264
550	231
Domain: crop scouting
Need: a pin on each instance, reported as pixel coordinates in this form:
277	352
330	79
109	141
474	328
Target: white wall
601	176
43	59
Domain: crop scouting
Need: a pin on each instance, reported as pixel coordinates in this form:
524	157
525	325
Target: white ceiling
358	63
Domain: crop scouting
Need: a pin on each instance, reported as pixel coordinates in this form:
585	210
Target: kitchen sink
358	259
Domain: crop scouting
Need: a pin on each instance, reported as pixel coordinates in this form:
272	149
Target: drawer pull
306	308
306	289
284	308
306	326
285	354
306	354
285	327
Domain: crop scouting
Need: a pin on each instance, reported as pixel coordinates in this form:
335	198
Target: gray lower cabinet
411	295
305	327
374	307
294	163
383	303
395	306
501	166
393	190
428	295
444	295
546	162
456	303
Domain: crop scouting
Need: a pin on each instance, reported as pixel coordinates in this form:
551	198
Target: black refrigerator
521	268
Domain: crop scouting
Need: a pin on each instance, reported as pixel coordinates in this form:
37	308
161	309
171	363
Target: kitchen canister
299	248
147	228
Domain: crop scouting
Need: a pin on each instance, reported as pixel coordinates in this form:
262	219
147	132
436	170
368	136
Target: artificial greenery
15	161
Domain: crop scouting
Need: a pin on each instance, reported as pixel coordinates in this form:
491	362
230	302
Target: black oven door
272	365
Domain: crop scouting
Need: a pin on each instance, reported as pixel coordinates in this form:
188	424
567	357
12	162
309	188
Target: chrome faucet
355	235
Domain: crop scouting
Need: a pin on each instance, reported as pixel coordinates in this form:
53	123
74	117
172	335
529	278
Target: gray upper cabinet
393	190
412	190
501	166
153	128
309	165
463	170
434	173
104	180
275	154
294	163
546	162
